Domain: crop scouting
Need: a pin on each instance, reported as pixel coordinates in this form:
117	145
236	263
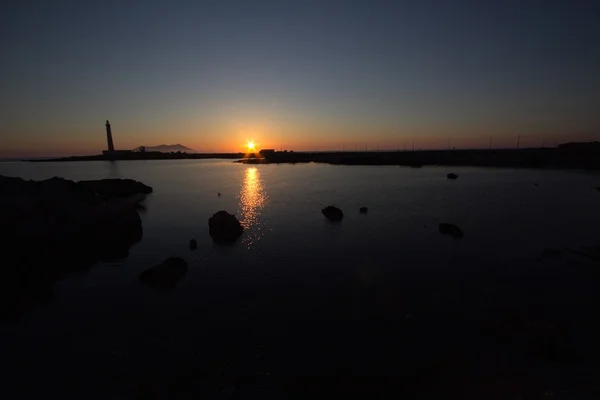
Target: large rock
66	213
109	188
166	274
224	227
333	213
51	227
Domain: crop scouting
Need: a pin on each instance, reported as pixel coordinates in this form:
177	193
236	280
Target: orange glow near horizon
251	140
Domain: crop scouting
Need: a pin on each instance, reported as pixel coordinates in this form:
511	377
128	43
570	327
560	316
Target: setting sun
251	146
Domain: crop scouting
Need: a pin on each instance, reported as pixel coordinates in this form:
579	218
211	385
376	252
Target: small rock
451	230
452	176
333	213
363	210
224	227
166	274
193	244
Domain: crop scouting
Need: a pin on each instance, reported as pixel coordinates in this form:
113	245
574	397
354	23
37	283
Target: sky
297	75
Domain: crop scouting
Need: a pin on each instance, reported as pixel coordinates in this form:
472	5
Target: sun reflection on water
253	198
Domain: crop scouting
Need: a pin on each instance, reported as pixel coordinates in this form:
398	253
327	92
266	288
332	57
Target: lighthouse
111	147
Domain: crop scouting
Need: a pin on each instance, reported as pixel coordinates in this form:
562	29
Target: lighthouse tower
111	147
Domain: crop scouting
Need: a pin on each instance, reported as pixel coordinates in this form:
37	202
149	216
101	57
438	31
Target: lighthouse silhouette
111	147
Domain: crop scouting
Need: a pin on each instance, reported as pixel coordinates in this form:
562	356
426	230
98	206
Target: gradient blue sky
298	74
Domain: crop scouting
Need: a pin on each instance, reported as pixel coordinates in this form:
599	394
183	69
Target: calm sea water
377	294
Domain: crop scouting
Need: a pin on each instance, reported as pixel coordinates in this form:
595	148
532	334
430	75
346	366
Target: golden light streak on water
253	198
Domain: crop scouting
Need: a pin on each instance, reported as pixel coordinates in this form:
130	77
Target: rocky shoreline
55	226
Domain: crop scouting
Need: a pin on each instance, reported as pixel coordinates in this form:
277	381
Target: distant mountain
167	148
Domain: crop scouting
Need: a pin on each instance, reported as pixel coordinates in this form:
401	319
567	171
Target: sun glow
251	146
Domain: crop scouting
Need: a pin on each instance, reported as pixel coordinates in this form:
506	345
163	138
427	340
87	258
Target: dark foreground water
378	303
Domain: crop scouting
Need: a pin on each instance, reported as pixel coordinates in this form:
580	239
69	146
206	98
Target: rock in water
193	244
363	210
452	176
166	274
224	227
451	230
333	213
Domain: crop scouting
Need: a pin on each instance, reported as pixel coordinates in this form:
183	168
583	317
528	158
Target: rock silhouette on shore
452	176
54	226
363	210
224	227
451	230
165	275
121	188
333	213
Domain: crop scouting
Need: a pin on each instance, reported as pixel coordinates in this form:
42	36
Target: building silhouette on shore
111	146
111	152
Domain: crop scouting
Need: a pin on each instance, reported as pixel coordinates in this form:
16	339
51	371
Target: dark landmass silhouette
568	155
167	148
583	155
54	227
